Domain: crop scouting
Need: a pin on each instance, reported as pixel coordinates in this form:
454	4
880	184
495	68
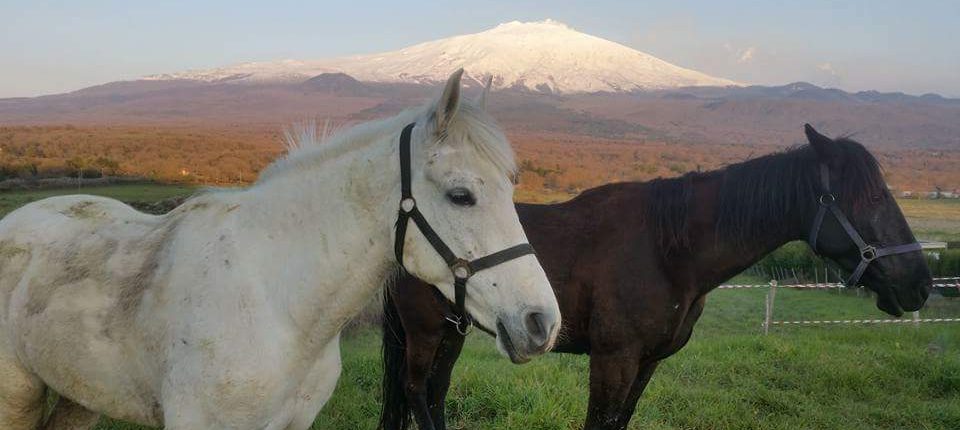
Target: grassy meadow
933	219
730	376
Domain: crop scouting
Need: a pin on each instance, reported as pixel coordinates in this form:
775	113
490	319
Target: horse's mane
759	196
308	147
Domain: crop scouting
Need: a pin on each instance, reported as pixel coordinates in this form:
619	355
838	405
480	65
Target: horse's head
462	169
901	279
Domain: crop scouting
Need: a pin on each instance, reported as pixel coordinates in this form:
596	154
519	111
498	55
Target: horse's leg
21	396
420	357
640	384
439	381
612	377
419	336
68	415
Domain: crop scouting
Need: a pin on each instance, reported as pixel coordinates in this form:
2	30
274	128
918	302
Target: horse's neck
716	259
330	229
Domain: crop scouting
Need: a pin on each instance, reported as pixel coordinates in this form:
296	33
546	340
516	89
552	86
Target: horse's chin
887	301
506	346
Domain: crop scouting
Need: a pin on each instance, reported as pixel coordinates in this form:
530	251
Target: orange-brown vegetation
560	166
199	155
553	166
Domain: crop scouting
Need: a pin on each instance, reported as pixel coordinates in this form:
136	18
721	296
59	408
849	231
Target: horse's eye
461	197
876	198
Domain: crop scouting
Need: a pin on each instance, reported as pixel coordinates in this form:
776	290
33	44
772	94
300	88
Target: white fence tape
939	283
730	287
883	321
946	282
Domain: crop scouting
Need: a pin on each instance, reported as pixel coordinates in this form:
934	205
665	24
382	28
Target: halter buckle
461	269
868	253
827	199
407	205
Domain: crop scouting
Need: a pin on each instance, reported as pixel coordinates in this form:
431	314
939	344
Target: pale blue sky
911	46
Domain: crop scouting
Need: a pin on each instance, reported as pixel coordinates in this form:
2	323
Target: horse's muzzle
532	335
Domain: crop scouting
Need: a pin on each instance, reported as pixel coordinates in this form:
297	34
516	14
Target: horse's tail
395	413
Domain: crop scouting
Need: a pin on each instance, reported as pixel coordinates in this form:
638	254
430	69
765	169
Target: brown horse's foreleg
640	384
420	356
612	379
421	411
439	382
420	309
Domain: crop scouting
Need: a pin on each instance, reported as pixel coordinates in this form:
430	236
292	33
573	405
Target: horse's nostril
537	328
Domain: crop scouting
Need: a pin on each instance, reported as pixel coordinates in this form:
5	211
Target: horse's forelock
863	174
473	126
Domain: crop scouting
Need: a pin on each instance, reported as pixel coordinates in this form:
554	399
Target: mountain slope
544	56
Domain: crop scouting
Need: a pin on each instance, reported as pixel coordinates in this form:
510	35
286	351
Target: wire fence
773	286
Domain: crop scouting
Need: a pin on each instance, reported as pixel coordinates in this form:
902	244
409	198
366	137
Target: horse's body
107	309
226	312
631	265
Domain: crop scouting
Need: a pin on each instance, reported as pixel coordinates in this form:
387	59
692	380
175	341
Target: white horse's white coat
226	313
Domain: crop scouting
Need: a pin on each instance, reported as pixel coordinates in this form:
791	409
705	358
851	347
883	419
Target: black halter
461	268
868	252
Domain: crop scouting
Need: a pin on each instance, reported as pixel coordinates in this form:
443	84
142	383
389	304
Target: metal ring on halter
458	323
824	201
407	204
461	269
868	253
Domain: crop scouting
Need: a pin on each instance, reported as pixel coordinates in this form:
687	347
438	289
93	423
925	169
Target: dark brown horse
631	264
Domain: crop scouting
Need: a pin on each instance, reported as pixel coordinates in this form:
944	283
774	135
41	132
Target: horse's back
62	231
73	271
54	216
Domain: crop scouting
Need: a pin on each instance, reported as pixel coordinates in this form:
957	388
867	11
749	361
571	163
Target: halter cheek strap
461	269
868	253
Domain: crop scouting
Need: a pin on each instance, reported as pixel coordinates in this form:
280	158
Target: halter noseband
462	269
868	252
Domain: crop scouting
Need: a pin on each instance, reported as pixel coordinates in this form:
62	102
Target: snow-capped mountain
545	56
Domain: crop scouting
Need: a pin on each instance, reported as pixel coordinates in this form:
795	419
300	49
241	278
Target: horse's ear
449	102
822	145
482	101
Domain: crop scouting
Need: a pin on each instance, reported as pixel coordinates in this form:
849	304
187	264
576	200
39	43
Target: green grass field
730	376
933	219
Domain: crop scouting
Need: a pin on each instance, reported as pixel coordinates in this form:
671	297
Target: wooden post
768	315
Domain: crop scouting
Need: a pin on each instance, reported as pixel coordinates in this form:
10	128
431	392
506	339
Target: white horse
226	313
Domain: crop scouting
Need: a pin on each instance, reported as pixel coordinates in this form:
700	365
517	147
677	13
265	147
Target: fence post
916	319
768	316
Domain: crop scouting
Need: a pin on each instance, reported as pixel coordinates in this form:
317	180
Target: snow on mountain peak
547	24
547	56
